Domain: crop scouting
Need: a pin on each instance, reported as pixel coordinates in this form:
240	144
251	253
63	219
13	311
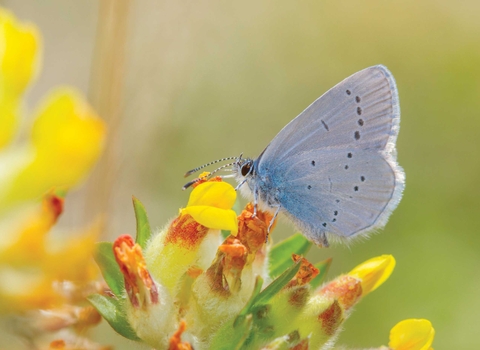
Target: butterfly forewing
362	111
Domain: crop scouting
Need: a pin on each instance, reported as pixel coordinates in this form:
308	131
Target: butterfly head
243	168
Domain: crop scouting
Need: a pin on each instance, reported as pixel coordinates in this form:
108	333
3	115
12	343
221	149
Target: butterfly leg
255	201
272	221
274	217
240	184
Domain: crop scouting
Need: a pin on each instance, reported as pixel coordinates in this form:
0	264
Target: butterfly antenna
190	183
190	172
209	176
220	168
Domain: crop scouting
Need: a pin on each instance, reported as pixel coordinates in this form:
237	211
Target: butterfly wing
341	195
362	110
334	166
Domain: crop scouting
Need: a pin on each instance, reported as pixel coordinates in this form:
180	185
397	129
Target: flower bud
412	334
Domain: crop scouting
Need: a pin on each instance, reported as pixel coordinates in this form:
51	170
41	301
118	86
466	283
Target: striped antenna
190	172
220	168
188	184
209	176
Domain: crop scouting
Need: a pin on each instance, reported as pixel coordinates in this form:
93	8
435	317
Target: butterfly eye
245	169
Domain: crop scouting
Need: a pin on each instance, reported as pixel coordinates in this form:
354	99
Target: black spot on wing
325	125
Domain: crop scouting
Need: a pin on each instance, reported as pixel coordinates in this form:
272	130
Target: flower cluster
44	281
211	280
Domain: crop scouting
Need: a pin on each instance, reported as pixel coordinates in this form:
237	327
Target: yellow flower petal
71	260
210	205
214	218
8	121
67	139
30	245
31	266
19	44
214	194
374	272
412	334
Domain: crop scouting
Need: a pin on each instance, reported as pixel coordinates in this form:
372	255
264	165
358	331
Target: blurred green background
201	80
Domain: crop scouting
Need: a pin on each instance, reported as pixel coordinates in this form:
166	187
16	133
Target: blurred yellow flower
30	267
412	334
18	64
66	139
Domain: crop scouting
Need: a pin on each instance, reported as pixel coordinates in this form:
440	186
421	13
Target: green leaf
258	308
108	266
256	291
237	334
112	312
281	253
144	232
232	337
323	266
273	288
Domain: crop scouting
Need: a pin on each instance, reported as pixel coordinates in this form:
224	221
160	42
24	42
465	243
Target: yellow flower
174	250
18	64
363	279
18	54
67	138
374	272
210	205
412	334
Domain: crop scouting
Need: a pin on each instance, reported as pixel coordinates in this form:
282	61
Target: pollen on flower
186	232
176	340
138	283
203	177
346	289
